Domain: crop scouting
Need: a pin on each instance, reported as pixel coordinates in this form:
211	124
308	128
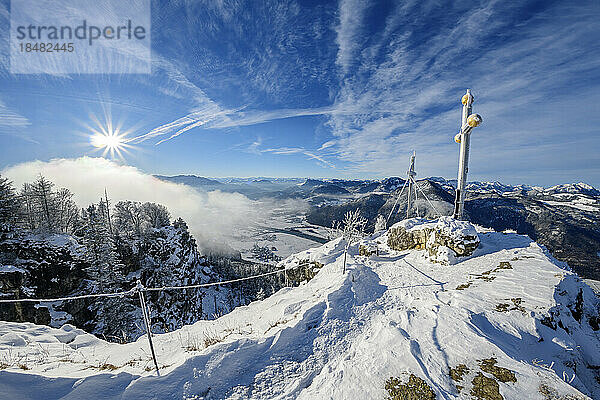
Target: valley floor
506	314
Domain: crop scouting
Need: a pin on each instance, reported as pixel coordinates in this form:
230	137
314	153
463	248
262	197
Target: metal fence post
140	289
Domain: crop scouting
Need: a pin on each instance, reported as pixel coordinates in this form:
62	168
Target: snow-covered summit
509	320
448	225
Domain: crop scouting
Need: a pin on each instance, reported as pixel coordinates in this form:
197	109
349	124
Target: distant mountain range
343	186
191	180
565	218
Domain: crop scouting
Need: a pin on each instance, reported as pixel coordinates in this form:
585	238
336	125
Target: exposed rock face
444	239
35	267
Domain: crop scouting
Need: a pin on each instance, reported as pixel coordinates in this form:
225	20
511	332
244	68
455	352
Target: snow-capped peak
573	188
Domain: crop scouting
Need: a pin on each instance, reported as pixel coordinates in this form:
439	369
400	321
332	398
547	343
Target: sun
109	139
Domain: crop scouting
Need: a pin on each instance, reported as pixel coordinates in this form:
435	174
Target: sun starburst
109	139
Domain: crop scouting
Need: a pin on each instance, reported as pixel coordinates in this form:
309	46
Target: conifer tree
44	200
9	203
105	270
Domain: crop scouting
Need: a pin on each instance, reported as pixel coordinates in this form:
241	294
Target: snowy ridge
342	336
576	188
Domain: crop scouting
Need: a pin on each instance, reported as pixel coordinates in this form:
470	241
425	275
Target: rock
444	238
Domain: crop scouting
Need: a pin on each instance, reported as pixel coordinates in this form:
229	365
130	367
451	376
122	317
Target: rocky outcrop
444	239
36	266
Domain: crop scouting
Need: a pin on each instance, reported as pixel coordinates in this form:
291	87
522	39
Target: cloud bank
211	216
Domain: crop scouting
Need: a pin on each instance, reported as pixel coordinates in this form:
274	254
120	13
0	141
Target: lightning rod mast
412	184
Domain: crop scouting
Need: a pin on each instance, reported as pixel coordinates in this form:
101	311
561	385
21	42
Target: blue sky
334	89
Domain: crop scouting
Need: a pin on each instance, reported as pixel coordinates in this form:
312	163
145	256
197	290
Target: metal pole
416	195
140	290
396	202
411	174
463	163
408	199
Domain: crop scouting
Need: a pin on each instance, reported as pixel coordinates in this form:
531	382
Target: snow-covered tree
66	211
334	231
264	254
134	220
380	224
130	220
42	192
156	214
28	213
353	228
105	268
45	210
169	257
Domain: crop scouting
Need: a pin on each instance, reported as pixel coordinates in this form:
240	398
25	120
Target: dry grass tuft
502	374
415	389
485	388
457	373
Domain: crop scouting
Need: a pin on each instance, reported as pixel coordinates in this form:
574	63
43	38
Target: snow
12	339
572	188
594	284
339	336
58	240
57	318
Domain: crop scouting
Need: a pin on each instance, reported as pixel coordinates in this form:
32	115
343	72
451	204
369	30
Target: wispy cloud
300	150
407	83
243	118
10	118
213	116
374	79
349	29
